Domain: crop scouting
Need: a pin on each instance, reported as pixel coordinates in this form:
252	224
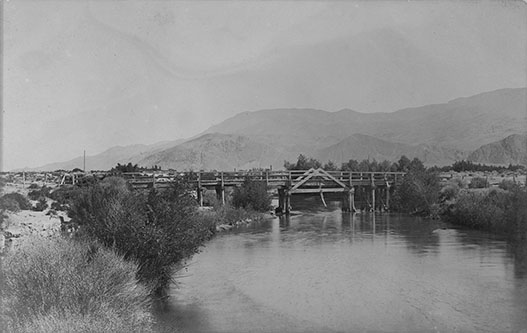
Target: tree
330	166
126	167
403	164
385	166
351	165
364	166
416	165
252	195
418	193
303	163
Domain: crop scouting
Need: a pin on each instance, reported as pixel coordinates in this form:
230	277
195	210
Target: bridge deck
311	181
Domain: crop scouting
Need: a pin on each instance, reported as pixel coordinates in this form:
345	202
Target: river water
327	271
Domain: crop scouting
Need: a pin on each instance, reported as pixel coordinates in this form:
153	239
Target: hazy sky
91	75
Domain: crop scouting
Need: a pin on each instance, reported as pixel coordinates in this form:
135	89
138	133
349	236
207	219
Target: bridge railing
229	178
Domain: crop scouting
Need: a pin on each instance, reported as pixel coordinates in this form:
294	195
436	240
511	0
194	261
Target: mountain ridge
436	133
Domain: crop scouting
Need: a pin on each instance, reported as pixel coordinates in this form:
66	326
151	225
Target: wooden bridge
313	181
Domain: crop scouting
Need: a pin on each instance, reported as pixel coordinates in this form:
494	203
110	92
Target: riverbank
19	224
497	209
225	217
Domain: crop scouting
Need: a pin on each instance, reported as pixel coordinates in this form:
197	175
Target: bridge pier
199	193
387	196
287	202
281	200
284	200
220	193
348	201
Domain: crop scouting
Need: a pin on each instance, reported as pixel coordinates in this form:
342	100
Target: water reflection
326	271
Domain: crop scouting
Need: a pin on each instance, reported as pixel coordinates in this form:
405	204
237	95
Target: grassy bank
501	209
62	285
494	209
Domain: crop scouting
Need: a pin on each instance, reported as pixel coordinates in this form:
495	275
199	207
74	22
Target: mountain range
485	128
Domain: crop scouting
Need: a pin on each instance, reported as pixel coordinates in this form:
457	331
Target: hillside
512	149
463	124
360	147
216	151
437	134
110	157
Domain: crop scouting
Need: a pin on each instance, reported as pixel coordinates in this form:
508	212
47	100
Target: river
327	271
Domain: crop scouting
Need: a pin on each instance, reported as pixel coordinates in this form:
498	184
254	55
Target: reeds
61	285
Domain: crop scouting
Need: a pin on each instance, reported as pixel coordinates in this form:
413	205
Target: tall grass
489	209
60	285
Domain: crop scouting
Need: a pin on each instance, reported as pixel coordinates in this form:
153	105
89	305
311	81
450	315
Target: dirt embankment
15	226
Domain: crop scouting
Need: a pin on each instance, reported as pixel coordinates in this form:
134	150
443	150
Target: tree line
404	164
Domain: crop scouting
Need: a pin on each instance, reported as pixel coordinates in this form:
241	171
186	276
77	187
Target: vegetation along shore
96	255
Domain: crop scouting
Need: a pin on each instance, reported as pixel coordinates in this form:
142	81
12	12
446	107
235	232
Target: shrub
252	195
460	182
56	284
57	206
65	195
22	201
481	210
478	182
37	194
3	182
508	185
33	186
418	193
9	204
517	213
41	205
449	191
227	214
158	230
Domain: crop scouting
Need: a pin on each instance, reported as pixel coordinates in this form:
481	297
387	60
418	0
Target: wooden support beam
287	202
281	200
387	196
317	190
222	190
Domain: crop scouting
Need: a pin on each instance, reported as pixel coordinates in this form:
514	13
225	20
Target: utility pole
84	165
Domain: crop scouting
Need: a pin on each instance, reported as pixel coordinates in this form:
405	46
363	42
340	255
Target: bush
488	210
65	195
252	195
460	182
33	186
9	204
37	194
7	201
55	284
3	182
517	213
41	205
227	214
418	193
158	230
508	185
57	206
449	192
478	182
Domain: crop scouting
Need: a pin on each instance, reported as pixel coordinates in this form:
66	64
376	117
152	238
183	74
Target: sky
81	75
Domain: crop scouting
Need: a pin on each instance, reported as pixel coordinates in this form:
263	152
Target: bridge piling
281	200
387	196
287	202
372	193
